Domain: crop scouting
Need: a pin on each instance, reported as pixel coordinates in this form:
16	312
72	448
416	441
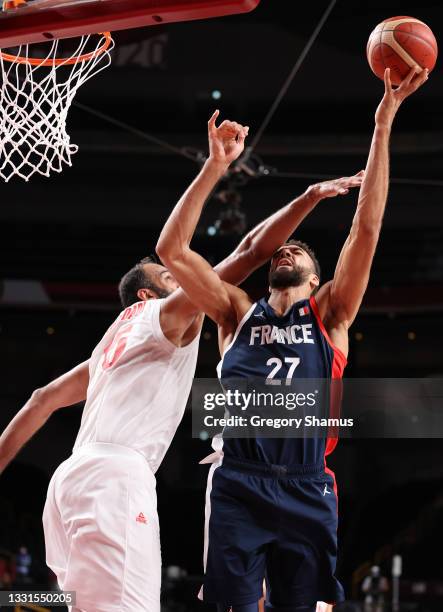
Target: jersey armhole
236	333
160	336
340	360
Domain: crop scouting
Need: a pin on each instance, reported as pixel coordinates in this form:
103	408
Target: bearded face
291	266
161	293
281	278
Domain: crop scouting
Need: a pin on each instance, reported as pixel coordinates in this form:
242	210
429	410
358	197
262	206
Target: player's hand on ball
335	187
226	142
392	98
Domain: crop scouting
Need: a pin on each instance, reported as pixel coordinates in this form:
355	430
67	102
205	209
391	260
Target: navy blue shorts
274	523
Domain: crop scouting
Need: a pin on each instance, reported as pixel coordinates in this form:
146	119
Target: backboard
43	20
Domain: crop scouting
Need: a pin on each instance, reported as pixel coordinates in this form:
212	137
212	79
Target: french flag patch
303	311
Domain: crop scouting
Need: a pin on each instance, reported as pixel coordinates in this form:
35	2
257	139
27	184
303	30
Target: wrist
383	128
385	120
311	196
220	167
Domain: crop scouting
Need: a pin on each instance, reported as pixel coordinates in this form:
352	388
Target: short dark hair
134	280
311	254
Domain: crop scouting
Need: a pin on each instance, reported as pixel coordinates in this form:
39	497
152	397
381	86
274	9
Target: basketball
399	43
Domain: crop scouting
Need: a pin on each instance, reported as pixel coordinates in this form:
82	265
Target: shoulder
322	299
240	300
336	330
241	305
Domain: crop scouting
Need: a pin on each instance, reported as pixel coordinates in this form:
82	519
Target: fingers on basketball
415	78
408	79
387	79
419	79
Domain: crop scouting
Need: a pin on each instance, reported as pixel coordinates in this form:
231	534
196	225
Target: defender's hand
392	98
226	142
341	186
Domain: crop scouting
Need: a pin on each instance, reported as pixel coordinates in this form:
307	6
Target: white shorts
102	532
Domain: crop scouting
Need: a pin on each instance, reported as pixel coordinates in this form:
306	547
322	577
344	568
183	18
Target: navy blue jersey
268	346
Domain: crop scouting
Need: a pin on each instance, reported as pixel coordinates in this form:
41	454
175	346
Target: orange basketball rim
57	61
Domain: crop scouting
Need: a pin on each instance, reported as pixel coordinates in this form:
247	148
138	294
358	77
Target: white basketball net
34	104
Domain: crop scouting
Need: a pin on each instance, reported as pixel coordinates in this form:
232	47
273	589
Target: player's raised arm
68	389
226	143
258	246
195	275
344	295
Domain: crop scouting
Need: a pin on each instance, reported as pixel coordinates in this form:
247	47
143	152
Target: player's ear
146	294
315	281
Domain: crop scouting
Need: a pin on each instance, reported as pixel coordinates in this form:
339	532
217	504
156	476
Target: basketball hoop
35	96
37	89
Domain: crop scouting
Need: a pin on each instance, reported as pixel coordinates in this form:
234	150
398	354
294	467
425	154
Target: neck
281	300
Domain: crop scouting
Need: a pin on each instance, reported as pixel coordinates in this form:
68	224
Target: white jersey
139	383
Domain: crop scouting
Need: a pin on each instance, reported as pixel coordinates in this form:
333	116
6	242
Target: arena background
65	242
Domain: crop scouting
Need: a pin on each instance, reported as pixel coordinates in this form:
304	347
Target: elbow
39	401
170	256
168	253
161	248
37	397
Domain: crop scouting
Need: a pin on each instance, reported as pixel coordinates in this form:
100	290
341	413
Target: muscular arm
341	299
260	243
353	267
178	313
68	389
226	144
221	301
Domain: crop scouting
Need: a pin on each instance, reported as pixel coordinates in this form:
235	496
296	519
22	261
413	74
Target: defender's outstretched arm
344	294
68	389
226	143
179	313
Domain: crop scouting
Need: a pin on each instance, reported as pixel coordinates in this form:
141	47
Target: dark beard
161	293
281	279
